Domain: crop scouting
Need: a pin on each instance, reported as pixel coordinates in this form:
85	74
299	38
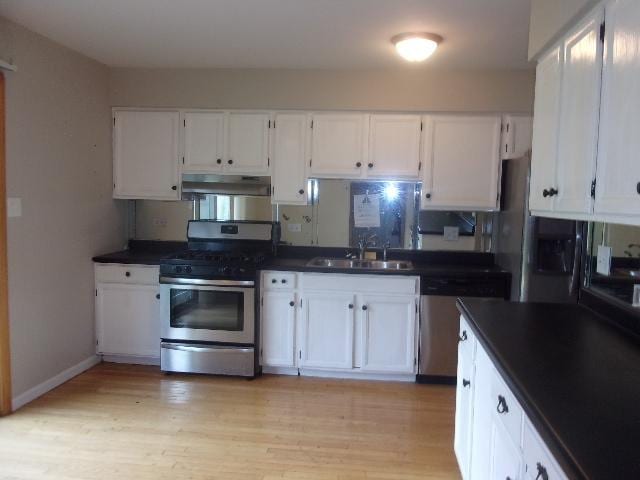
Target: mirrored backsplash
339	213
613	262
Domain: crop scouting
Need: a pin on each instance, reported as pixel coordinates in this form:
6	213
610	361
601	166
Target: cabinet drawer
506	408
388	285
278	281
537	458
138	274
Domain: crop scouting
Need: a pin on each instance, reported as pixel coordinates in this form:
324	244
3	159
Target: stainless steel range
207	296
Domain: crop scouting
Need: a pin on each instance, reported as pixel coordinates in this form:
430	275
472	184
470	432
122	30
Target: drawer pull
463	337
542	472
502	405
351	306
284	280
291	303
127	274
158	296
465	382
273	280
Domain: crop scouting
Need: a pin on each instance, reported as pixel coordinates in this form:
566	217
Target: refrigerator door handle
574	286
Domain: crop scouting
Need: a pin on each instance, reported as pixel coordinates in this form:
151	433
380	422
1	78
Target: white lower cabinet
327	330
346	324
127	311
388	334
277	329
494	439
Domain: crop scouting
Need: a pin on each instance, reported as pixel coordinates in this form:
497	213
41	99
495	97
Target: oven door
207	310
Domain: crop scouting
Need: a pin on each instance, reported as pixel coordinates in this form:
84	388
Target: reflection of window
216	207
223	207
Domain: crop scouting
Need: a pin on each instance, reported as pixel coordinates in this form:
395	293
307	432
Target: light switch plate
14	207
603	263
451	234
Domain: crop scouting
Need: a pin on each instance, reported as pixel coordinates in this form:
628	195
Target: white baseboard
53	382
350	375
132	359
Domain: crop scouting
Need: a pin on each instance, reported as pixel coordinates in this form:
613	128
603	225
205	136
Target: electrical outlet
294	227
160	222
603	262
451	234
14	207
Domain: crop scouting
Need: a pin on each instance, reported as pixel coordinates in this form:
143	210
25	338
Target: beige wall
410	89
59	164
549	18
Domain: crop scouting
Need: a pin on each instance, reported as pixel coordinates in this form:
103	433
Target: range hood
226	185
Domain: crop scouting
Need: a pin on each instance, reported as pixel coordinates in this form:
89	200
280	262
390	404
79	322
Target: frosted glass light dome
416	47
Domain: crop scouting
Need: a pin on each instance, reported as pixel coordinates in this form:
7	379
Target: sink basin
360	264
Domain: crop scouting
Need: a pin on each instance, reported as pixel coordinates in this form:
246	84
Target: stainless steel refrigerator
542	254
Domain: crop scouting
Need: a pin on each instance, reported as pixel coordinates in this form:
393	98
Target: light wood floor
122	422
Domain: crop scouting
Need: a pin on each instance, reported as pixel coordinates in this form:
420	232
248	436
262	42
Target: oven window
205	309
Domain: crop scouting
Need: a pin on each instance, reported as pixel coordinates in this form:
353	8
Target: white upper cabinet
388	325
516	136
579	114
394	146
289	158
146	154
618	171
461	162
203	141
248	143
546	115
339	145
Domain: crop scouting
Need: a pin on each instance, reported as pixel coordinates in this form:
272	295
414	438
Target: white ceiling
341	34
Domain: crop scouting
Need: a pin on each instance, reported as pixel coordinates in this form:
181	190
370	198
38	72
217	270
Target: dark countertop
576	375
142	252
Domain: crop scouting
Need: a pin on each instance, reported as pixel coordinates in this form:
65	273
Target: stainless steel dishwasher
439	321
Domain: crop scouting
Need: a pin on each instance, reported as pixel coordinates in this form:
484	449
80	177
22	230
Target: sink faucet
363	242
384	251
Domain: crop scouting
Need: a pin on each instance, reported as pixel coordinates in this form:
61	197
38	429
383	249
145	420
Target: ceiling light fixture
416	47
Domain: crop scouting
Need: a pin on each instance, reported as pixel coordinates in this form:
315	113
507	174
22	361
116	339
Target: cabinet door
128	319
289	159
461	158
464	407
516	136
546	114
483	407
203	141
247	143
579	113
618	171
339	145
505	456
277	331
394	146
145	154
388	334
327	331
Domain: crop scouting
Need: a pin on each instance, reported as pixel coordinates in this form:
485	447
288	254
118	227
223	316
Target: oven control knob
187	269
178	269
225	270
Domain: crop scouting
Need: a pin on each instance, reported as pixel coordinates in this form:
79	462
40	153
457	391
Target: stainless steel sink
360	264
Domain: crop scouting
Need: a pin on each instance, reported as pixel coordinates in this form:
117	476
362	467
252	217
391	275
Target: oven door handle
210	283
191	348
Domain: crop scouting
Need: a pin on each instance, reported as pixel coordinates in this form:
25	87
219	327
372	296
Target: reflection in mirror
617	274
